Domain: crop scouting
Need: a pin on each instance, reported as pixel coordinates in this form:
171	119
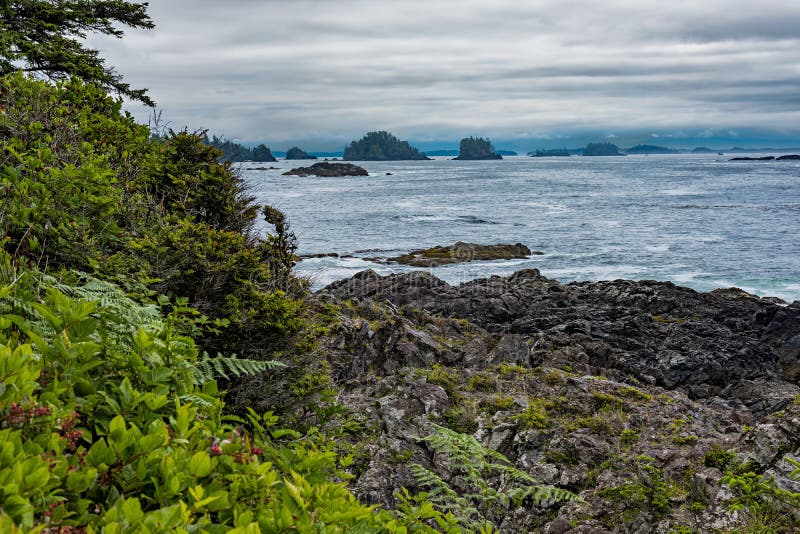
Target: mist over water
697	220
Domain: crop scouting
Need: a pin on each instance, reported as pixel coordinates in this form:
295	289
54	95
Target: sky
529	73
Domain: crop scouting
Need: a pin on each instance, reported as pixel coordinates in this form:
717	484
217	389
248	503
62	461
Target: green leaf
132	510
200	464
79	482
99	454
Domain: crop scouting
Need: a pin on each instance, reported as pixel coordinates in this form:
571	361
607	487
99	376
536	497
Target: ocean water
697	220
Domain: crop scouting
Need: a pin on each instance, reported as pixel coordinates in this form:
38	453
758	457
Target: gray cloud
277	71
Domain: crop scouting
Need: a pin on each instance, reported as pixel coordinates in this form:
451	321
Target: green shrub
719	458
534	416
462	416
497	403
85	188
115	434
443	377
482	382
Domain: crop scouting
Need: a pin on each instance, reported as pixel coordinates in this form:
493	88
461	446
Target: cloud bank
440	69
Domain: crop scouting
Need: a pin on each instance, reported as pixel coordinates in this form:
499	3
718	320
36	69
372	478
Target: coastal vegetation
47	38
476	148
381	146
163	369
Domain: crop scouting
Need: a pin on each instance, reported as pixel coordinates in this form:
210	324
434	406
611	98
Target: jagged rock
610	389
325	169
708	344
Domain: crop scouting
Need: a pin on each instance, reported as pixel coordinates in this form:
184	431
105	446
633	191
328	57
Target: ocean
700	221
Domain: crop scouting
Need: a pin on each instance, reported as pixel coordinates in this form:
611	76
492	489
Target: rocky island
328	170
461	252
296	153
550	153
602	149
649	149
476	148
381	146
235	152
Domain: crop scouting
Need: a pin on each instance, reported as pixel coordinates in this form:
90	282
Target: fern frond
203	401
207	368
517	475
430	480
486	473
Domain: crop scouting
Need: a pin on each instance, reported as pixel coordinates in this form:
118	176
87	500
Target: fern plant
207	369
489	481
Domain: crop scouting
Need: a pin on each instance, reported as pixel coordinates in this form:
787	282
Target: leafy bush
106	433
84	187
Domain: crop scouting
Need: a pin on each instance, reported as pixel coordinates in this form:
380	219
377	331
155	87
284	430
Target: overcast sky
281	71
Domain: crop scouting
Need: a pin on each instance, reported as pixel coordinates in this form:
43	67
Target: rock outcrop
461	252
723	343
326	169
296	153
638	396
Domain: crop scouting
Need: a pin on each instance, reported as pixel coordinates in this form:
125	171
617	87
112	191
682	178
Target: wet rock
724	343
325	169
461	253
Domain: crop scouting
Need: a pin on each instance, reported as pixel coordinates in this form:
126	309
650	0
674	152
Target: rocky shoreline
641	397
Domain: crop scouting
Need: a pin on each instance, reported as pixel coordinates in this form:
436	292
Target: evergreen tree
46	37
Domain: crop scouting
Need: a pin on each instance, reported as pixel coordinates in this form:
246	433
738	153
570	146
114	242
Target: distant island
475	148
454	152
602	149
702	150
553	152
296	153
381	146
650	149
235	152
